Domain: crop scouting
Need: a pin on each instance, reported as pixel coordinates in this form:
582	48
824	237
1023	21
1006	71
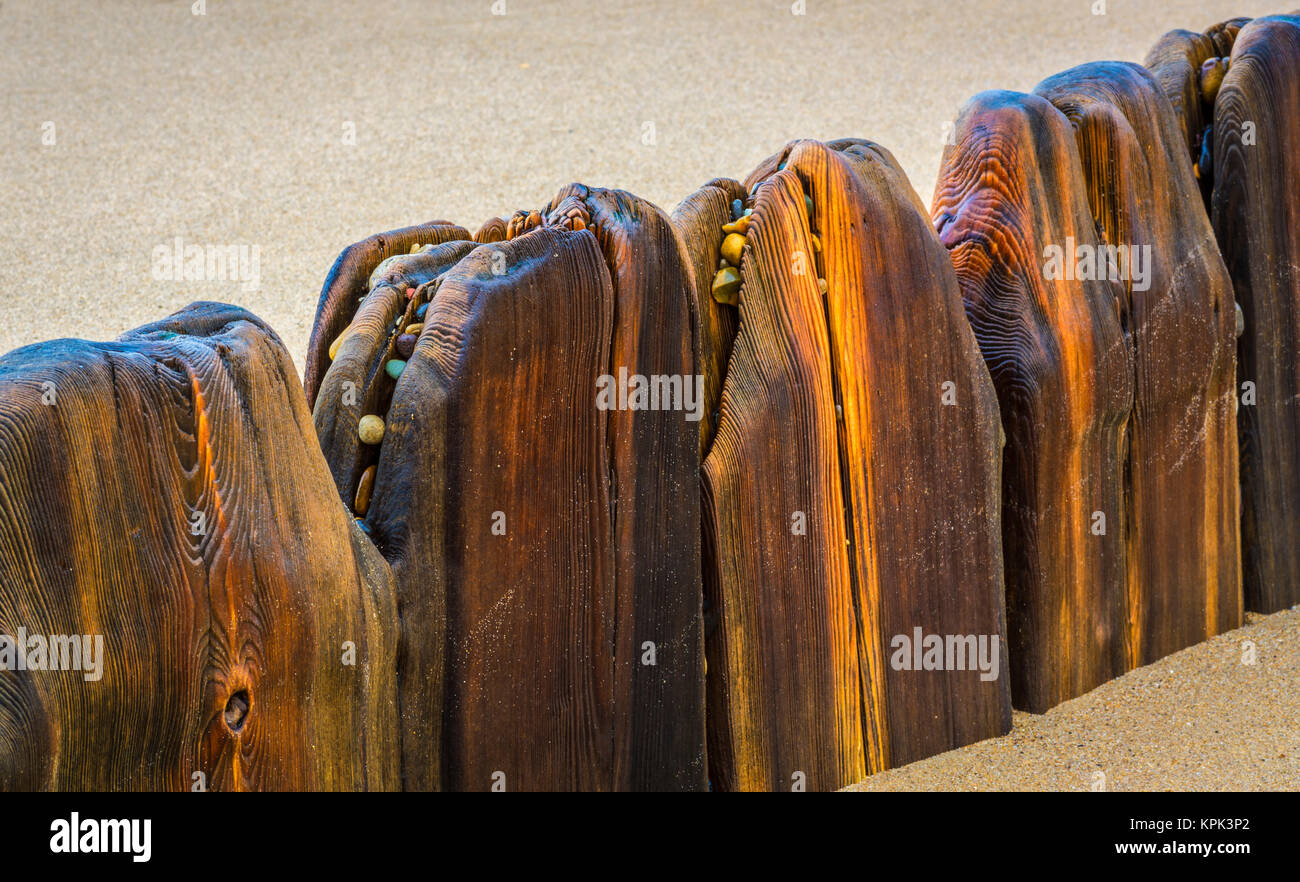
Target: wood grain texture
198	414
925	497
1255	210
348	282
494	629
784	689
495	413
355	383
654	458
899	494
1175	61
1181	487
1011	185
699	219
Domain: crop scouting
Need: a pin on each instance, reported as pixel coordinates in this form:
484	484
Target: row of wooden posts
937	465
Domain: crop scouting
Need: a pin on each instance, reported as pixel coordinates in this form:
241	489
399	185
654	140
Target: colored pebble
395	367
420	311
821	283
365	488
748	212
736	207
414	329
807	203
365	528
370	429
726	286
406	345
1206	164
737	226
732	246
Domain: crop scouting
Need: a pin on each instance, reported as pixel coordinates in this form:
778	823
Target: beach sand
1206	718
129	125
230	128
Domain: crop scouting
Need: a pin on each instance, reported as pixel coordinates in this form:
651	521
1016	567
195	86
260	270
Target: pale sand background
227	129
1200	719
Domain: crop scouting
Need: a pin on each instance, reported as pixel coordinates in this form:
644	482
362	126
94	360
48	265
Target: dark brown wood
833	419
1255	210
1180	478
1010	187
650	610
1176	61
699	219
166	491
654	454
527	635
348	283
355	383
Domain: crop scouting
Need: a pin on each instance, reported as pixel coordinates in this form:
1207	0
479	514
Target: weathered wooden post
851	488
1241	127
165	497
1012	207
1255	209
542	519
1180	473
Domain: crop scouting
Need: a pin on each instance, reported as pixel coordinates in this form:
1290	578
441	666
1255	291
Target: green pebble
807	201
395	367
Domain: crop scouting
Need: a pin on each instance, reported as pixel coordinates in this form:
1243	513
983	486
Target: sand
234	129
1201	719
229	128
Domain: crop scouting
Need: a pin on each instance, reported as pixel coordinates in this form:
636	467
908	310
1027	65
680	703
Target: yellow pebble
370	429
731	248
817	243
415	247
821	283
338	341
740	225
414	329
726	286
